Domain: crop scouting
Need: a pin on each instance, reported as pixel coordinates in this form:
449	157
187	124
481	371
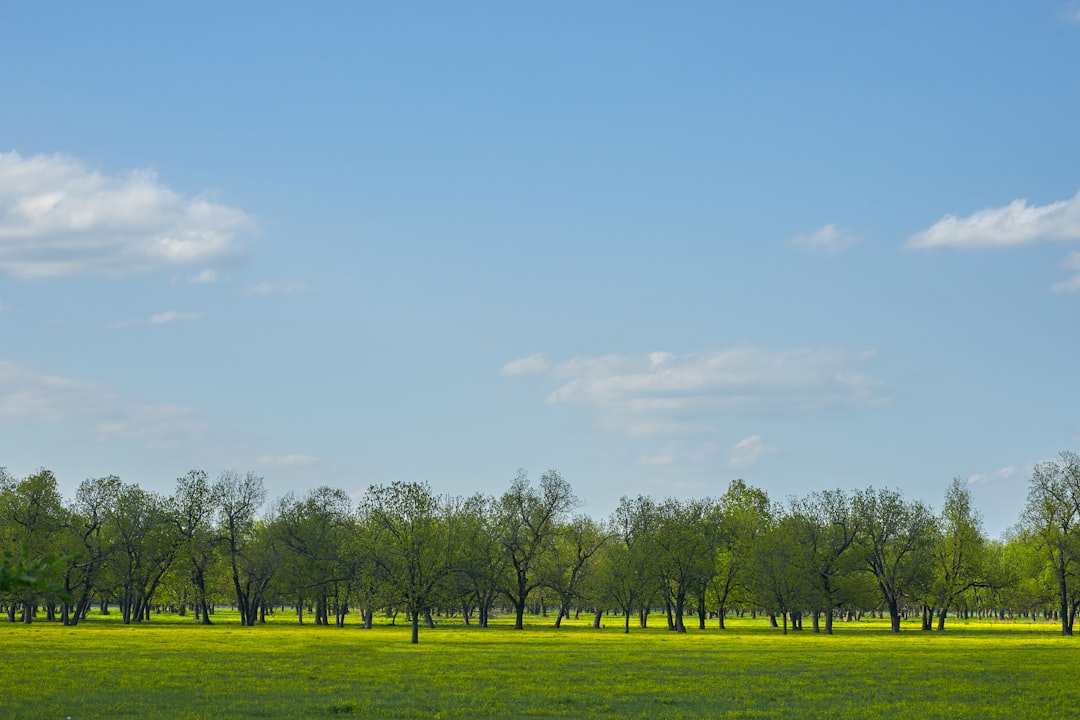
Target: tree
315	529
744	515
958	551
33	513
414	541
480	563
195	505
93	546
574	545
685	539
527	518
147	540
782	566
894	536
827	526
630	569
238	499
1052	517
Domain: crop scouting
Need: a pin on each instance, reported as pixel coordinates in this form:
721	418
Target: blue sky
654	246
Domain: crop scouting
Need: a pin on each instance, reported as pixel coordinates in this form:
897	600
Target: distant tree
238	500
782	566
1052	520
316	531
147	540
630	569
563	569
894	537
826	525
195	506
527	518
686	543
480	564
415	541
90	544
744	516
32	514
958	551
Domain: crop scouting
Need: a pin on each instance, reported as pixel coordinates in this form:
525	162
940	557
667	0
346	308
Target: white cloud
27	396
278	287
679	456
665	393
57	217
1014	224
204	277
1071	262
172	316
533	364
161	318
293	460
830	239
997	476
749	451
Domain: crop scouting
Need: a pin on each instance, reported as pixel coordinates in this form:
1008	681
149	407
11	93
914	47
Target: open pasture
170	668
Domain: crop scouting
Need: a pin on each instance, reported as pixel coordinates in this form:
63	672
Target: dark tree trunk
815	620
828	622
596	619
415	617
894	614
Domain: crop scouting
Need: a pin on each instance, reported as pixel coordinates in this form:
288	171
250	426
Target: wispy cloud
277	287
1014	224
161	318
204	277
537	363
57	217
749	451
293	460
1004	474
664	393
27	396
1071	262
172	316
829	240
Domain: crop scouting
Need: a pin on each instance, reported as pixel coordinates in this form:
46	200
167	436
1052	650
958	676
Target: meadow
171	668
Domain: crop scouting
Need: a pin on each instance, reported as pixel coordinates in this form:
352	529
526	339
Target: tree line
401	549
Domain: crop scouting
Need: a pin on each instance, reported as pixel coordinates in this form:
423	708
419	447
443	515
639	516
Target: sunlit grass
171	668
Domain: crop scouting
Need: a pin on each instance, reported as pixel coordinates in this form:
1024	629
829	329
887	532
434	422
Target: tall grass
171	668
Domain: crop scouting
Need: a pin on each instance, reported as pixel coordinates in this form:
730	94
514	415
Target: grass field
171	668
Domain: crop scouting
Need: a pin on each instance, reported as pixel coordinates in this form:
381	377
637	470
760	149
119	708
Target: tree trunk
815	620
596	619
941	618
894	614
415	617
701	611
720	612
828	622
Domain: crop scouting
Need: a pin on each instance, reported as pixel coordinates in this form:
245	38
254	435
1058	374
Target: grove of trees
403	550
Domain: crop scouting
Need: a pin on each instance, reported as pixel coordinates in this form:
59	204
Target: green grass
171	668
